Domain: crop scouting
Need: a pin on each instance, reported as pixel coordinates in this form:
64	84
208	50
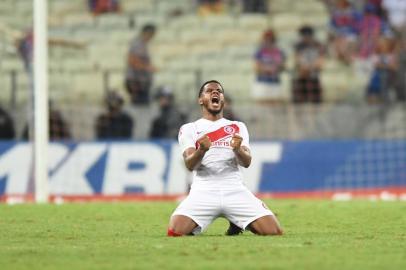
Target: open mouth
215	100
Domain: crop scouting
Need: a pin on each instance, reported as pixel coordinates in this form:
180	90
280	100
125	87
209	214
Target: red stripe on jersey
221	133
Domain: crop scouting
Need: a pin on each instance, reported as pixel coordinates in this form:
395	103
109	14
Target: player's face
212	98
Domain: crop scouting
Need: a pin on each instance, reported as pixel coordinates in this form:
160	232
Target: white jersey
219	168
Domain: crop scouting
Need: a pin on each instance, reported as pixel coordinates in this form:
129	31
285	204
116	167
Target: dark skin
212	102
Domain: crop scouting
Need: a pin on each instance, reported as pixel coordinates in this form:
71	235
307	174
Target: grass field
319	235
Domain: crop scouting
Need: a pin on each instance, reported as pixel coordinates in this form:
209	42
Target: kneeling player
214	148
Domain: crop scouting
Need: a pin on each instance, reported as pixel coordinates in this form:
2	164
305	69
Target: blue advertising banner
156	167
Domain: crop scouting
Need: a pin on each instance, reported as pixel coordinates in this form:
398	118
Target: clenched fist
204	143
236	141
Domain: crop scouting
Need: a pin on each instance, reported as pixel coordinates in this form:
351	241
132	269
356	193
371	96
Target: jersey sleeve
185	137
244	134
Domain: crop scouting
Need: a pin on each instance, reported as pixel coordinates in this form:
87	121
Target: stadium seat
87	86
286	22
237	85
6	7
219	22
163	78
184	63
191	36
79	20
318	20
167	36
138	6
201	48
60	85
141	19
112	62
122	38
5	86
242	50
116	81
86	35
309	7
169	51
61	7
24	8
251	21
112	21
186	21
164	8
238	37
15	22
185	86
286	39
11	63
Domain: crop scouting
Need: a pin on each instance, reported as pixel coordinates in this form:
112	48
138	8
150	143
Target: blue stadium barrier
156	167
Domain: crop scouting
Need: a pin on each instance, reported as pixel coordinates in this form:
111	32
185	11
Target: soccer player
214	148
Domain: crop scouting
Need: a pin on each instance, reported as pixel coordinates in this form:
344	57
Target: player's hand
236	142
204	143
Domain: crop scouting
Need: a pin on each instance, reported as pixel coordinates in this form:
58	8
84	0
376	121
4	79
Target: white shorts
239	206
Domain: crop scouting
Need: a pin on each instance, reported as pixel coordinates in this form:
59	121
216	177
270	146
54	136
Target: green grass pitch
318	235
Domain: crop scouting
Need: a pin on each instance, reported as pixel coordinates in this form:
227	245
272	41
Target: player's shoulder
187	128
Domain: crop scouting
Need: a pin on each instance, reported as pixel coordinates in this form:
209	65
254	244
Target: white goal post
40	68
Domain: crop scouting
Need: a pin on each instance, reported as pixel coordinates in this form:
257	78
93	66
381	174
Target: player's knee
271	231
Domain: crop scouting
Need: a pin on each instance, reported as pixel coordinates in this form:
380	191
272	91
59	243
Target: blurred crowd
373	33
370	34
367	33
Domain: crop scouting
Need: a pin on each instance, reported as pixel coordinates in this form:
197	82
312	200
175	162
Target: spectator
58	128
98	7
344	30
269	63
371	27
25	46
114	123
168	122
377	5
139	74
308	63
383	75
6	126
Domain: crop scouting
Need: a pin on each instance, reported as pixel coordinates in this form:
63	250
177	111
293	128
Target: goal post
40	68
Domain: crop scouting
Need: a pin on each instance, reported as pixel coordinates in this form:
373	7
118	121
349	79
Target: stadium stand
187	50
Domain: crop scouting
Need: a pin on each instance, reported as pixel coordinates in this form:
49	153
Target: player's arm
193	156
242	152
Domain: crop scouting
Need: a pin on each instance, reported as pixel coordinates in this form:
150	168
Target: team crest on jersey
229	130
